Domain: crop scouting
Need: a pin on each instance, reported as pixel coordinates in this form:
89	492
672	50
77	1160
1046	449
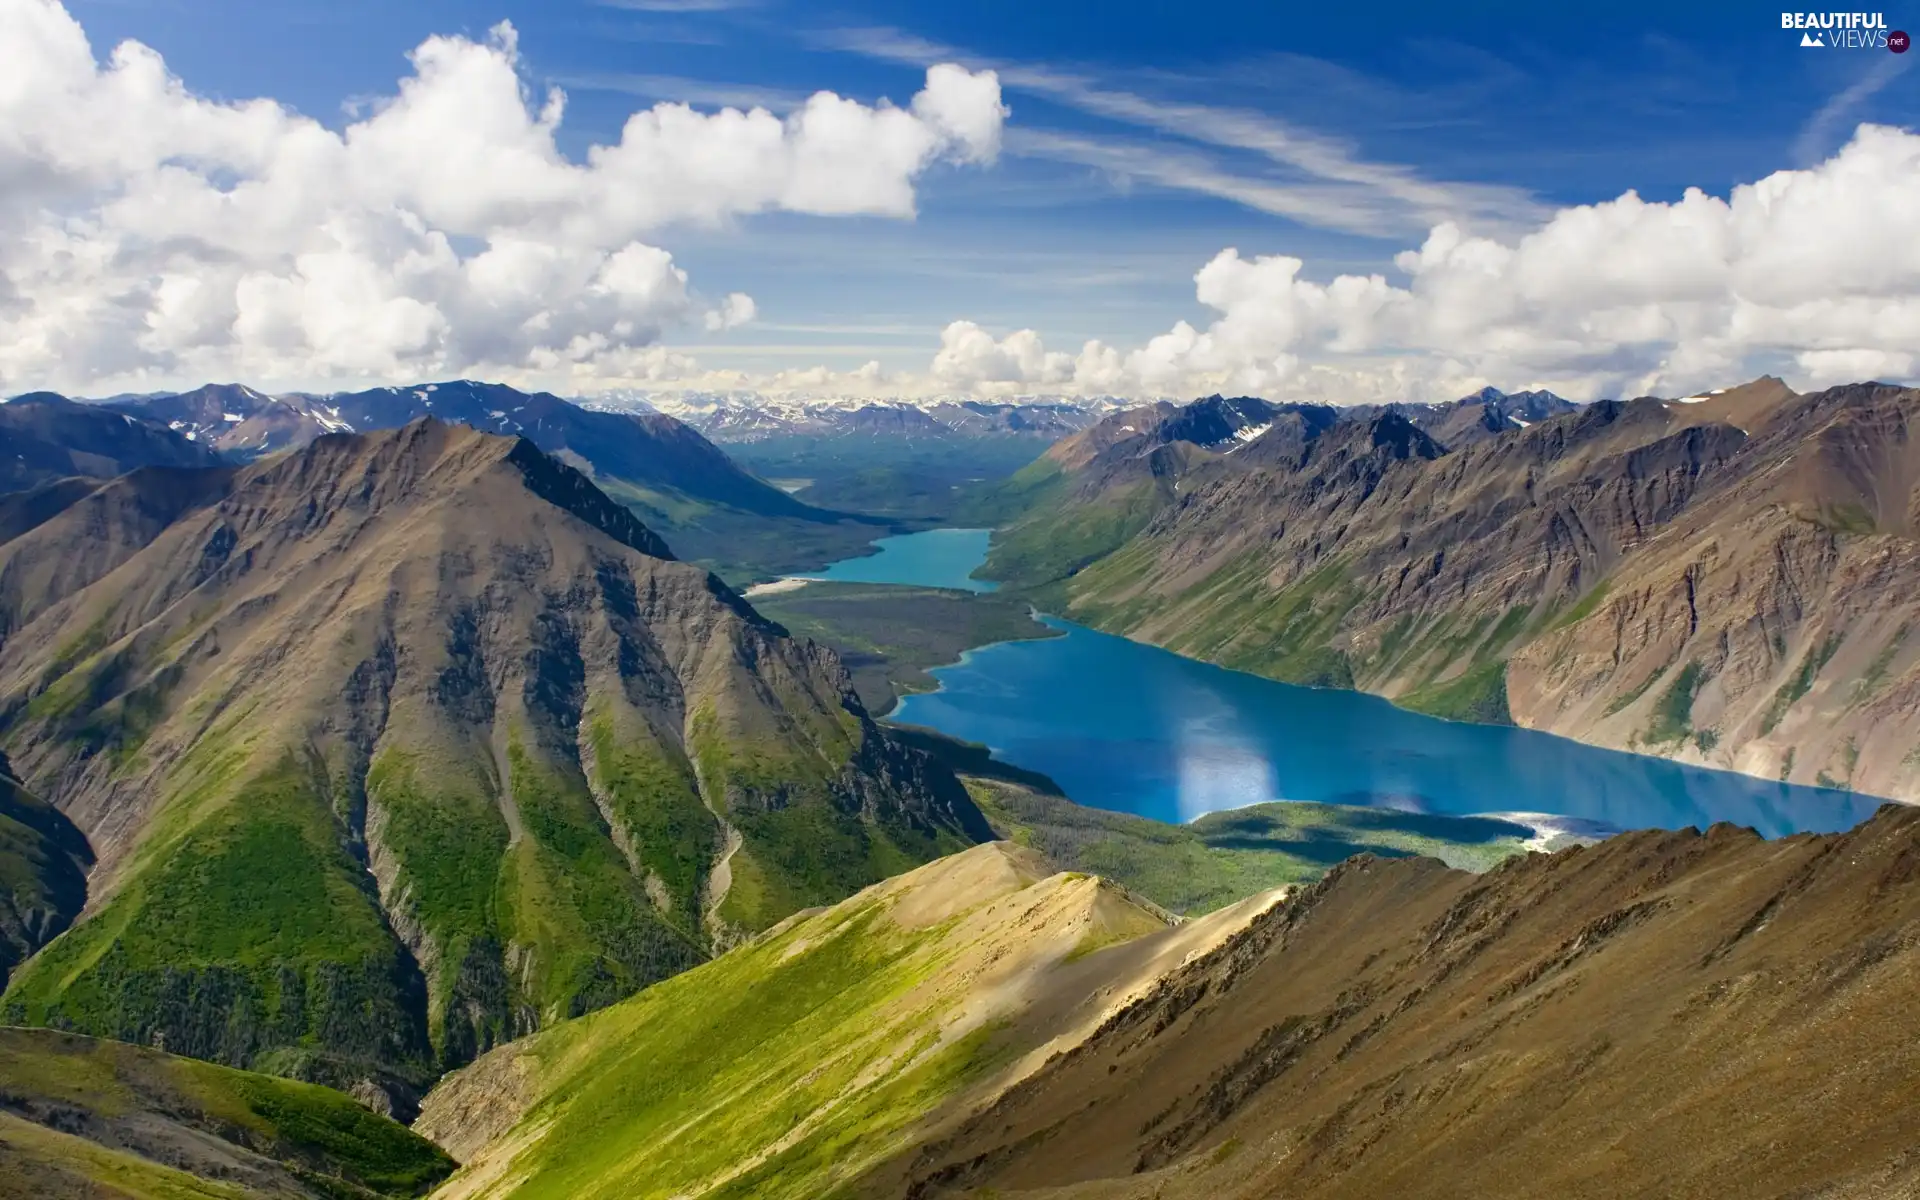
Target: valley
738	600
417	766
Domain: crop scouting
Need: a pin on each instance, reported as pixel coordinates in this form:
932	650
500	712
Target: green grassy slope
1057	537
86	1117
247	930
1226	856
784	1067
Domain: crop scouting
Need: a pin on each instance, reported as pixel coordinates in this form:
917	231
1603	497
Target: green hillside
788	1066
96	1118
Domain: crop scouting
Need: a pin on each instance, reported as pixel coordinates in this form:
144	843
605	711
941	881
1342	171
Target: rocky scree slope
404	744
1673	1014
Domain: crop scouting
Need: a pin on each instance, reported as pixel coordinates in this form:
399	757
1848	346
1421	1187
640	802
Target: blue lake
939	558
1125	726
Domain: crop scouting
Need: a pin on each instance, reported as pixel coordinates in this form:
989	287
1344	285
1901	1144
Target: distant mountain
405	743
44	437
1635	1018
1486	413
1728	579
757	419
237	420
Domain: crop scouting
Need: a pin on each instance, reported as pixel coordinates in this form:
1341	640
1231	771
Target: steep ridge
1727	579
789	1066
1485	414
407	743
81	1118
44	437
1673	1014
1093	490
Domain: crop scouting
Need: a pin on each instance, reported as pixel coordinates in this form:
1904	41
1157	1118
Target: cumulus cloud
149	233
1815	272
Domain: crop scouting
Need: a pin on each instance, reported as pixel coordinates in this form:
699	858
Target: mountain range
405	743
45	437
1723	579
755	418
709	507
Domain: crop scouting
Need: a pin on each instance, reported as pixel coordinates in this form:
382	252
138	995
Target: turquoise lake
1125	726
939	558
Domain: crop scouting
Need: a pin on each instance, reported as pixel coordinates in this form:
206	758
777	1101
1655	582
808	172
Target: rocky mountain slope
44	438
1678	1014
82	1119
406	743
791	1066
1726	579
1672	1014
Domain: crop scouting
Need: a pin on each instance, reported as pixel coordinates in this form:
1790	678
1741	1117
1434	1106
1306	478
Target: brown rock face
1729	581
1671	1014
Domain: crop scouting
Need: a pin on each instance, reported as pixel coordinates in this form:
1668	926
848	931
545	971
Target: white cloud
1813	272
150	234
970	359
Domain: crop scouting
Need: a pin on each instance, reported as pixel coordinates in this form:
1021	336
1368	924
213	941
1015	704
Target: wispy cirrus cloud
1317	204
1829	124
1298	173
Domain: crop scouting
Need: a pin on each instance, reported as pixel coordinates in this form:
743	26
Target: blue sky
1115	182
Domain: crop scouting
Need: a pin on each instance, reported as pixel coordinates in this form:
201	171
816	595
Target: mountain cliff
1726	579
406	743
